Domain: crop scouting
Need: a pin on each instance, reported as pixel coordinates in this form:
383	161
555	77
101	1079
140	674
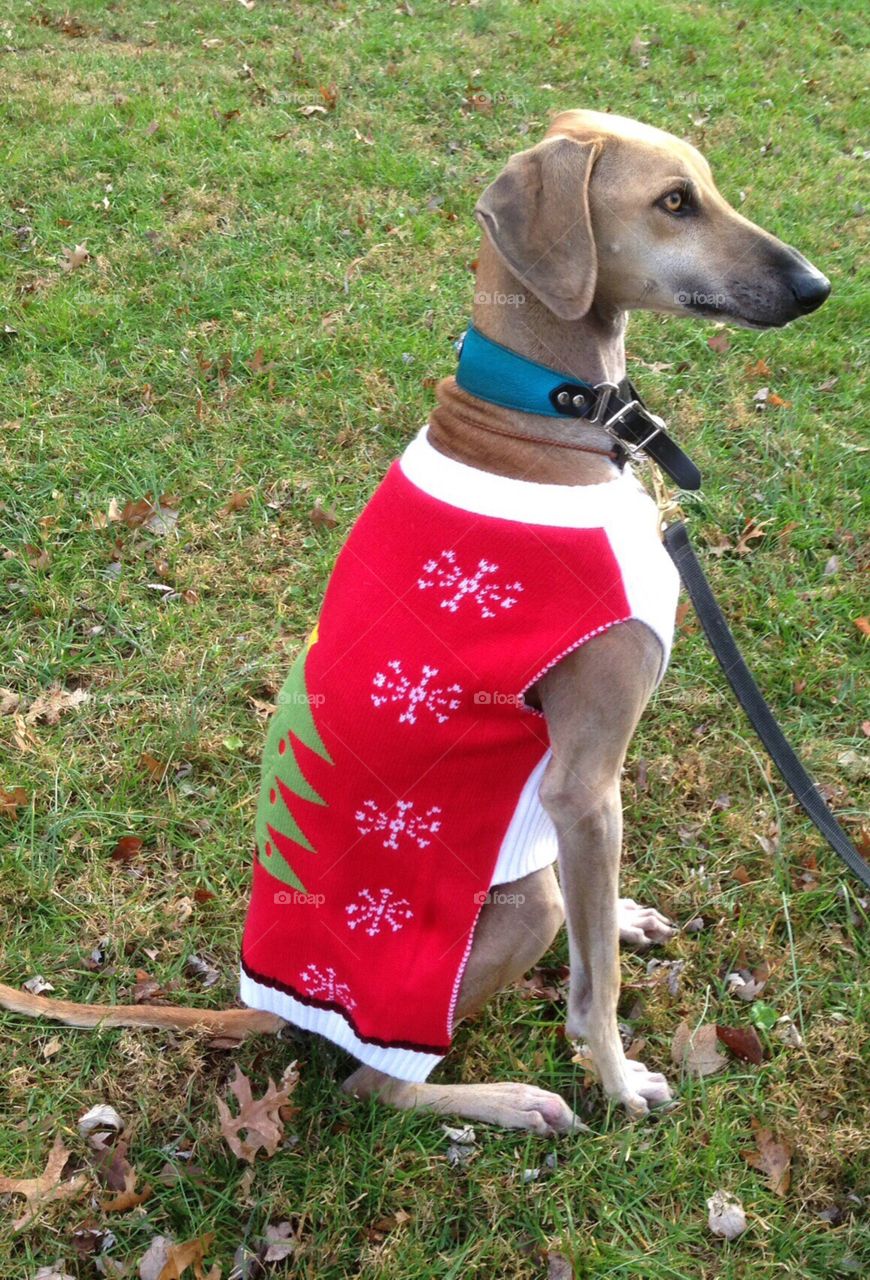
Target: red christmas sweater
401	768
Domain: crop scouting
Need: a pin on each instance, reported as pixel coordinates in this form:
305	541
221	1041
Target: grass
222	221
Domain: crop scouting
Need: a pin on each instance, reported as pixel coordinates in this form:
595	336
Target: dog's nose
810	291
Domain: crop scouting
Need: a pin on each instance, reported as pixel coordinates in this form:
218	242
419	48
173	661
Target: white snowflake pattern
374	912
446	573
324	985
399	822
399	688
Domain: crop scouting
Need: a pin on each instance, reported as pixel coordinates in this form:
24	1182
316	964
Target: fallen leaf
259	1117
558	1266
36	985
863	625
153	766
126	849
154	1259
751	530
786	1031
192	1254
758	370
773	1159
9	702
56	1272
720	342
696	1051
238	501
743	1042
47	1188
196	967
74	258
777	401
12	801
727	1217
329	94
281	1241
49	707
146	990
38	557
321	515
129	1198
101	1118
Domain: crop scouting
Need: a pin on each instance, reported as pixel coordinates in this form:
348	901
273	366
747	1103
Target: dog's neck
591	349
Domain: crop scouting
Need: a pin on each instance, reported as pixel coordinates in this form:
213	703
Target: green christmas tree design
282	778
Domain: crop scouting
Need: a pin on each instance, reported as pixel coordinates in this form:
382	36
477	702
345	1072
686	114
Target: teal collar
492	372
495	373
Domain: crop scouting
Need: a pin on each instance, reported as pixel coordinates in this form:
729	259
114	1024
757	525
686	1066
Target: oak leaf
259	1118
50	706
696	1051
773	1158
47	1188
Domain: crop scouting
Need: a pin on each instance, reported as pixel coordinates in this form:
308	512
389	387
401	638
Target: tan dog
603	217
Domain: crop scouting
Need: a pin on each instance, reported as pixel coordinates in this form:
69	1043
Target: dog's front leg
592	702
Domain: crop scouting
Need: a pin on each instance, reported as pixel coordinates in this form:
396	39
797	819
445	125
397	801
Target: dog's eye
677	202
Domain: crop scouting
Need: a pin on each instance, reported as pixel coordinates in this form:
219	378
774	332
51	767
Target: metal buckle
635	447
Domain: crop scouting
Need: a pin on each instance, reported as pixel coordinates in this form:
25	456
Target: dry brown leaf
129	1198
720	342
323	515
697	1051
192	1254
126	849
74	258
259	1117
153	766
158	517
38	557
47	1188
9	701
49	707
758	370
743	1042
777	401
863	625
238	501
772	1158
11	802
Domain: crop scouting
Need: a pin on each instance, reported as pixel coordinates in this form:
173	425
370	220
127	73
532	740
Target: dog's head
611	211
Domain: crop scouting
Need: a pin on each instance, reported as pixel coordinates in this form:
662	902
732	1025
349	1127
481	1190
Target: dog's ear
536	214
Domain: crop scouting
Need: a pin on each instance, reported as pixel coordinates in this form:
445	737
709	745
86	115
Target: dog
602	217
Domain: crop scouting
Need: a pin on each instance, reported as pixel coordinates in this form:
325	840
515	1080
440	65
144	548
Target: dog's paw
524	1106
642	927
643	1090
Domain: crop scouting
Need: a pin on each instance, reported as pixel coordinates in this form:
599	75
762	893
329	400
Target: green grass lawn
268	298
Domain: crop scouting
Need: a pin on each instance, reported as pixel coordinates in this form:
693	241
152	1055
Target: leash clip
604	391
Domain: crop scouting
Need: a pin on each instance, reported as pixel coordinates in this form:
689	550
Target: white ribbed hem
564	506
530	841
404	1064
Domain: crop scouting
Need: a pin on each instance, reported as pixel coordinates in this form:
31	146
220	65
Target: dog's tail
237	1023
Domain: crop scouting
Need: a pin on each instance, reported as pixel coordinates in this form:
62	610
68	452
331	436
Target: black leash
752	701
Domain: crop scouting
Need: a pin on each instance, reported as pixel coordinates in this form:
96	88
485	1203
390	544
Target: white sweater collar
571	506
